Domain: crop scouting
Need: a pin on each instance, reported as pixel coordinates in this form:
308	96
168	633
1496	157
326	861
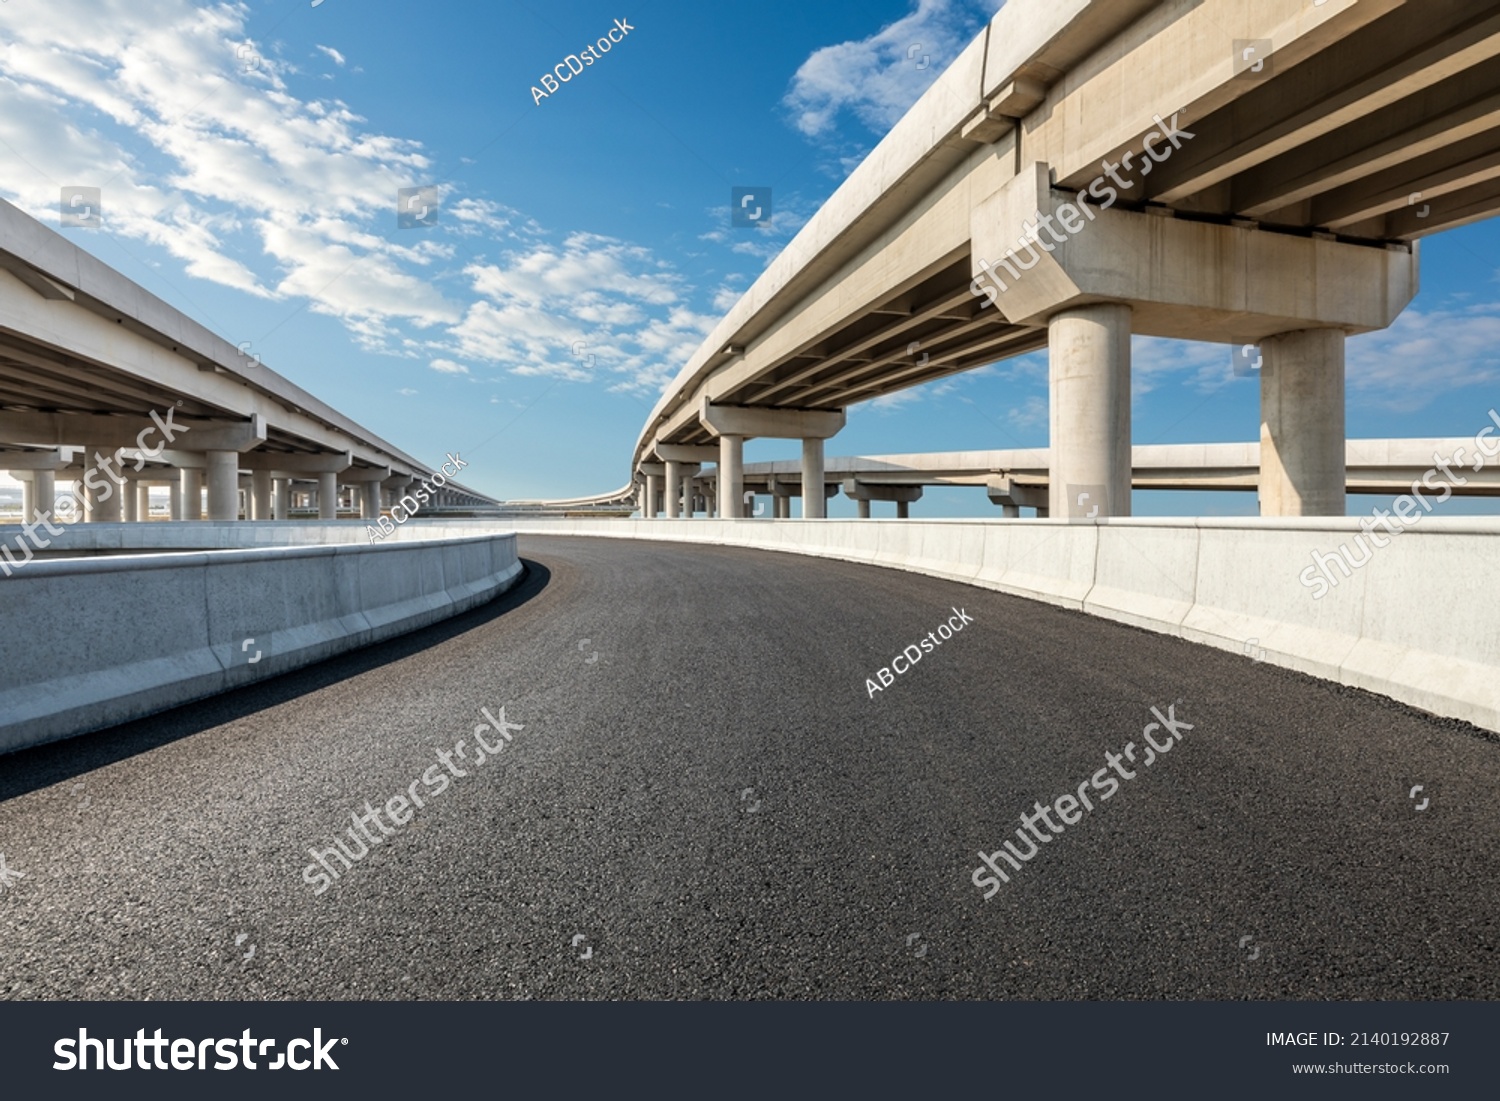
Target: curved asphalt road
718	808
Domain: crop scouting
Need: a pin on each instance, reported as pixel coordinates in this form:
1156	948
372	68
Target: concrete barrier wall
202	535
88	643
1420	622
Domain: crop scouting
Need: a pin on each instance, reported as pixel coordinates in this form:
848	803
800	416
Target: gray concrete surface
90	642
704	791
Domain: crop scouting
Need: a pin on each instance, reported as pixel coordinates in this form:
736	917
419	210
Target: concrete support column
260	495
130	500
1090	397
732	477
1302	424
783	509
187	495
108	498
28	500
223	476
369	501
43	487
143	501
1010	512
864	509
328	496
672	489
282	498
903	510
814	503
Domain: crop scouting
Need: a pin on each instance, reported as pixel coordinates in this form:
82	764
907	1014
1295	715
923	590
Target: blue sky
250	154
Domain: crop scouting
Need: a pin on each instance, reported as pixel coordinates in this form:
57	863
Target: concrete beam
784	486
363	474
1036	252
42	284
857	490
297	464
58	458
687	453
1008	493
755	422
98	430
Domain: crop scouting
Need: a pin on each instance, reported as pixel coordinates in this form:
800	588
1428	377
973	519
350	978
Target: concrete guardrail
1418	622
90	642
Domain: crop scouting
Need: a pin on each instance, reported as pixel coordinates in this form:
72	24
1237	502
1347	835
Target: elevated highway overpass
1021	478
91	363
1018	478
1250	174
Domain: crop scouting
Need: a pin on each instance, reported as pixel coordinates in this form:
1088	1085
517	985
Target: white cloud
1424	354
1031	413
591	308
1155	359
197	144
726	296
874	78
767	240
202	149
888	402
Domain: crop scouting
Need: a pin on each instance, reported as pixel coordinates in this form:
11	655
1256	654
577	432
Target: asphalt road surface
704	801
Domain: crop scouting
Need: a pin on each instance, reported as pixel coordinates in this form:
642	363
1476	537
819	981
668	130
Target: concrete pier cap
749	422
733	424
1095	274
857	490
1183	278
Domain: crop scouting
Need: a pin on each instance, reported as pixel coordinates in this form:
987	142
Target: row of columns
1302	439
1295	296
652	500
1302	445
267	497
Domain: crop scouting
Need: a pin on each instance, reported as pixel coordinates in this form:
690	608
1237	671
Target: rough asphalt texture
716	806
